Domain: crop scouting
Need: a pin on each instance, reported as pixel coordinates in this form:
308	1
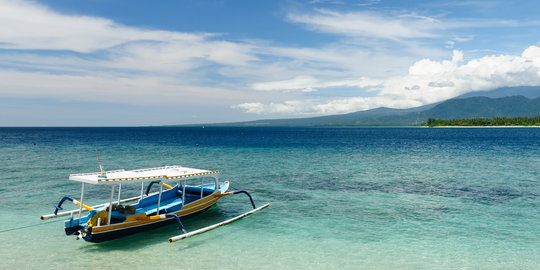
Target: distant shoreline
482	126
485	122
248	126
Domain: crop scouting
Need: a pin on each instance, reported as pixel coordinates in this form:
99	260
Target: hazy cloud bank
427	82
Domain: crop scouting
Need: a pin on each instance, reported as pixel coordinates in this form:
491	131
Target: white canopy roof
167	172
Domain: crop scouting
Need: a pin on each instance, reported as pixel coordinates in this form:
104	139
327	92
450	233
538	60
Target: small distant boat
171	204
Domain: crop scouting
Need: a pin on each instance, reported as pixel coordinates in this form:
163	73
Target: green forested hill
483	107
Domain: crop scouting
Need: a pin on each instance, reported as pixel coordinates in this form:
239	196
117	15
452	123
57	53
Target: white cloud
309	84
32	26
324	107
112	62
441	84
395	26
464	38
475	4
369	24
35	27
300	83
141	90
303	107
178	55
427	82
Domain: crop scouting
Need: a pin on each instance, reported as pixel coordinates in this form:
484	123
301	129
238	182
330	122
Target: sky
138	63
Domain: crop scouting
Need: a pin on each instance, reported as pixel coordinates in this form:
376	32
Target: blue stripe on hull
105	236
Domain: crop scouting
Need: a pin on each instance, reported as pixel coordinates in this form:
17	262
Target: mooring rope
32	225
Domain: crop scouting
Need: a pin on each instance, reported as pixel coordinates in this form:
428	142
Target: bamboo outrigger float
119	218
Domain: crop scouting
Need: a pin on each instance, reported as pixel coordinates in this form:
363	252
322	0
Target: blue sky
126	63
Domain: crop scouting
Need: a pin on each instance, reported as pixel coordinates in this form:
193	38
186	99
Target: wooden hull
117	233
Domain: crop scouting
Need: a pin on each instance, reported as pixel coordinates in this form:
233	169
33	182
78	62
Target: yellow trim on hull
142	219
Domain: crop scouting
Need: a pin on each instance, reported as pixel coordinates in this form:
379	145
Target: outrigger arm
156	182
178	220
211	227
59	205
86	207
242	191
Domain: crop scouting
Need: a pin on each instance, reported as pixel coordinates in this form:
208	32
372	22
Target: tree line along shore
484	122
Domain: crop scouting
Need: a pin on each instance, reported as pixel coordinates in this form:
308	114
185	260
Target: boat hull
118	233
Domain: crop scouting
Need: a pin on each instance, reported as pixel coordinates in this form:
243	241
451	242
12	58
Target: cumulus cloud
427	82
445	79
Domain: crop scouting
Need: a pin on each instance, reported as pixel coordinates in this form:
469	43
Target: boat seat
166	206
152	200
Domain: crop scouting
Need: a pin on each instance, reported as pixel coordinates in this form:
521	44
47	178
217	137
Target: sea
340	198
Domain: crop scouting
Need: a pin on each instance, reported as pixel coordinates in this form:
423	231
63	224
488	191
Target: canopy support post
142	189
159	197
82	197
110	205
202	186
183	192
119	191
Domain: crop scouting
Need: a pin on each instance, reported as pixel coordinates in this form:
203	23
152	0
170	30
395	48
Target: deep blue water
341	198
263	137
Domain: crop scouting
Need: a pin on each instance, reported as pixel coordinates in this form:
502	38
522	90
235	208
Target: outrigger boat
170	204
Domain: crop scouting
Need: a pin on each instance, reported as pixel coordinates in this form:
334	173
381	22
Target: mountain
526	91
506	101
482	107
473	107
372	117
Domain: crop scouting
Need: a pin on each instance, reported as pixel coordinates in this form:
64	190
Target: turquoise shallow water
341	198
